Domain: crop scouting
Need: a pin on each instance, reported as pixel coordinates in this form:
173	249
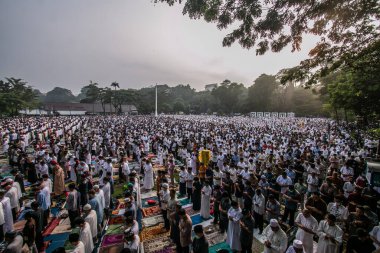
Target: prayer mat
215	238
112	249
115	229
145	202
257	246
54	245
151	211
114	220
55	211
61	229
57	237
196	219
219	246
110	240
65	221
154	232
147	195
184	202
52	225
158	246
189	210
152	221
19	226
121	205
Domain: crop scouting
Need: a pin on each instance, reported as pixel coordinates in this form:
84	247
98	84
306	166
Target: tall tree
261	92
60	95
345	28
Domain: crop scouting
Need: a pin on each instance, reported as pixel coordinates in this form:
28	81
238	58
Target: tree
60	95
105	95
16	95
345	28
261	92
228	95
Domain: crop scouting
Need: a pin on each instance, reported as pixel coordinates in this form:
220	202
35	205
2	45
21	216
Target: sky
137	43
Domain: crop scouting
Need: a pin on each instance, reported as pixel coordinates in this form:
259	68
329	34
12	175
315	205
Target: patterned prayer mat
19	226
114	220
212	235
189	210
151	211
115	229
52	225
111	240
158	246
184	202
152	221
61	229
196	219
145	202
112	249
154	232
219	246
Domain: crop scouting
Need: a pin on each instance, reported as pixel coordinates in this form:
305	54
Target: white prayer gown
327	246
107	195
233	232
305	237
205	202
278	240
148	178
8	225
79	248
86	238
92	220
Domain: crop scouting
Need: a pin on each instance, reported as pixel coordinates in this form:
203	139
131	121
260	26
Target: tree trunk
336	115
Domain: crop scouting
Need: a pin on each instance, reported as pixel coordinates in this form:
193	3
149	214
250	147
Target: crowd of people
298	184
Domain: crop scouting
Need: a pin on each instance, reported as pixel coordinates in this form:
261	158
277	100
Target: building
210	87
85	108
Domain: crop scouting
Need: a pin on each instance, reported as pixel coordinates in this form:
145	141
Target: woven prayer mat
219	246
189	210
152	221
158	246
65	221
257	246
61	229
148	195
151	211
114	220
196	219
19	226
115	229
110	240
154	232
52	225
145	202
213	235
184	202
112	249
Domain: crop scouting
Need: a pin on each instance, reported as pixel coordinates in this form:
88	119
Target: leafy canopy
345	28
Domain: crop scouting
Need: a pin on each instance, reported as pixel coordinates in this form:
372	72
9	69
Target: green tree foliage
261	92
60	95
16	95
346	28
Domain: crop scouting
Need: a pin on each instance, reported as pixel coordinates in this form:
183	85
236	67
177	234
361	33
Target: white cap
165	185
274	223
9	180
87	207
127	200
297	244
96	187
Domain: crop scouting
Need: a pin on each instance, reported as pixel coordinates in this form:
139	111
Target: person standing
205	201
148	176
14	242
59	179
225	205
330	235
165	197
72	204
78	245
292	198
91	218
29	232
43	200
185	226
307	228
246	235
107	196
2	222
275	239
197	192
200	244
189	183
217	194
182	181
259	209
85	235
233	232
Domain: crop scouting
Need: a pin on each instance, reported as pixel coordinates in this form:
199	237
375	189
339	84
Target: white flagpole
156	114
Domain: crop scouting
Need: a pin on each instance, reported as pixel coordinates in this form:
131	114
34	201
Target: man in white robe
85	235
5	201
205	201
79	246
330	235
13	196
107	196
296	247
233	232
148	177
91	218
275	239
307	228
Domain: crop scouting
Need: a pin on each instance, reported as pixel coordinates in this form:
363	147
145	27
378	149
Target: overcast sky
137	43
